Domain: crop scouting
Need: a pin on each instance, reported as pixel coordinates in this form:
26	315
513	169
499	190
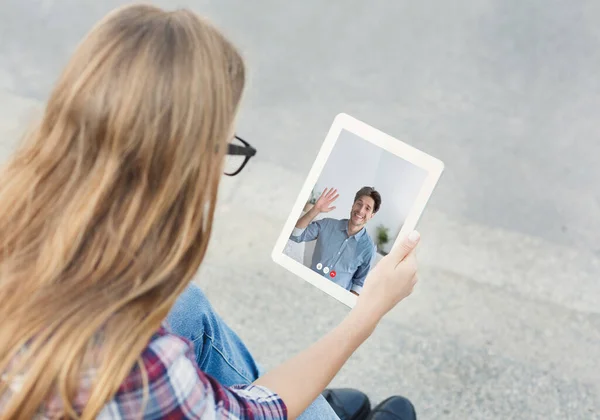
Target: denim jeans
219	351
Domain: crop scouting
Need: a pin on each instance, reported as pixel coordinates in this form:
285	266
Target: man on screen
344	252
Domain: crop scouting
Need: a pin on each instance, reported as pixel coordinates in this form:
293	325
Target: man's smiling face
362	211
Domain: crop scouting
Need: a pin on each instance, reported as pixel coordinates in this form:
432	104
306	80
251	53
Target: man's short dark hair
370	192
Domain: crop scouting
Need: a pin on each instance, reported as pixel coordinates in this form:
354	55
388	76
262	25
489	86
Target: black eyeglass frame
235	150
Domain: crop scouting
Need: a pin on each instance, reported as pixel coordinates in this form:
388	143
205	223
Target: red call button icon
332	274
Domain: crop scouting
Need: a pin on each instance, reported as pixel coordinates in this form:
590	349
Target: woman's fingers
410	260
415	279
406	247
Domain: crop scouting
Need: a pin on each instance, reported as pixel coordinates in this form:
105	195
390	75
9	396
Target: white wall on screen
352	165
399	183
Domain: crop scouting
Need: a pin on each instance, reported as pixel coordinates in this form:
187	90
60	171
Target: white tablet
366	190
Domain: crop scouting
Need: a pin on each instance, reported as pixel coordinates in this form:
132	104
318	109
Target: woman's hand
390	281
302	378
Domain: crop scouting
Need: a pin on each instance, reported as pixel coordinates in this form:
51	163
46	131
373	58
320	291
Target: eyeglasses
239	153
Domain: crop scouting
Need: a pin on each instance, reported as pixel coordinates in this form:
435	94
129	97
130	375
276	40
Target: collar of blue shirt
344	227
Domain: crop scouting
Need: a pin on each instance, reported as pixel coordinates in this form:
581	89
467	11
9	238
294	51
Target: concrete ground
505	322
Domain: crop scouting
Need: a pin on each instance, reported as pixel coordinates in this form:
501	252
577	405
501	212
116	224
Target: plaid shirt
178	389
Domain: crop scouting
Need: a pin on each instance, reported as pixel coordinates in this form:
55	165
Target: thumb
409	243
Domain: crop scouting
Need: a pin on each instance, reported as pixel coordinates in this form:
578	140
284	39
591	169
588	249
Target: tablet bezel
433	166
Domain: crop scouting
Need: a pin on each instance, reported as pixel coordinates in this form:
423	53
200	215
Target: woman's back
170	385
106	209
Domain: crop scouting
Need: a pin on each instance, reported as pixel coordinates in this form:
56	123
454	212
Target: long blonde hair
106	207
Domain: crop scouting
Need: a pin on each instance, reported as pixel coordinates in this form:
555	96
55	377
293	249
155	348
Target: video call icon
326	270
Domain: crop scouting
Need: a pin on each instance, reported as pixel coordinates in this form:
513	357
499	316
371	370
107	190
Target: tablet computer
365	192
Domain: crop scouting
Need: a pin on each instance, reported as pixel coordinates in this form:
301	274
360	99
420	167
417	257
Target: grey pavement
505	322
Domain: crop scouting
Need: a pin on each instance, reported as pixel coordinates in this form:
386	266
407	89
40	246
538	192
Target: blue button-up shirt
350	257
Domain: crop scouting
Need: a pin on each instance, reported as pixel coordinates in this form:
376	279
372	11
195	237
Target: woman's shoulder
167	342
163	360
164	349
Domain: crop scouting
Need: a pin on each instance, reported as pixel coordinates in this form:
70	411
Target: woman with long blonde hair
105	216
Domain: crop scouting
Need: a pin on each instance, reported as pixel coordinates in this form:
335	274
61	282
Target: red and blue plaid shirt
178	389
